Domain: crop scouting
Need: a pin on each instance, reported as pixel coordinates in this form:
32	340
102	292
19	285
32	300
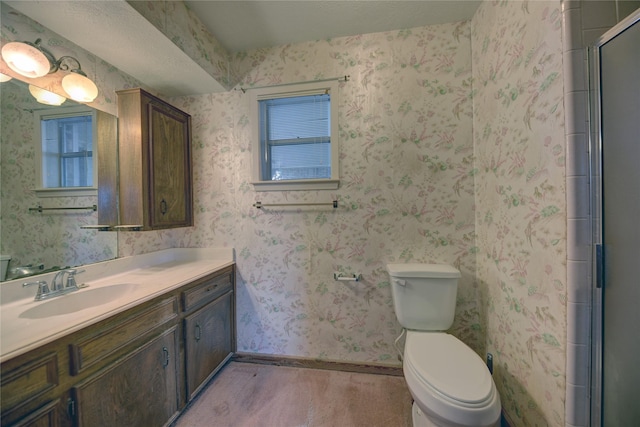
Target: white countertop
148	276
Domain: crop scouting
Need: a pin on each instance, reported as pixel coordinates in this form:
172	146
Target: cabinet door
138	390
170	169
208	335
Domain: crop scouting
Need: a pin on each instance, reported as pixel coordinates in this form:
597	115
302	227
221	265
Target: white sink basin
79	300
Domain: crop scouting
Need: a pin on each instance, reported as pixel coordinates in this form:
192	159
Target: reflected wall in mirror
50	238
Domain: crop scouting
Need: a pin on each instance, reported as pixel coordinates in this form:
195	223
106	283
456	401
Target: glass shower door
619	113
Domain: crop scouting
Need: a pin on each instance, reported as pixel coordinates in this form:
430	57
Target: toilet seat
448	380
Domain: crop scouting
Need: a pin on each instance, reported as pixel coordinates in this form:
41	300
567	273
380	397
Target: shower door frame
595	154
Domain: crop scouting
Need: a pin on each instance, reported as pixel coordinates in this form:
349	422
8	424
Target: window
65	156
295	137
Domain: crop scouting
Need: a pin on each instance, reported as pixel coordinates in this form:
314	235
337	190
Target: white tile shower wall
583	22
578	240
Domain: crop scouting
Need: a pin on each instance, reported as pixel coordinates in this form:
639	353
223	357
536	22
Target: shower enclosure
615	151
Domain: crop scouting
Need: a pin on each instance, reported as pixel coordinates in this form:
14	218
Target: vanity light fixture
32	60
46	97
78	86
28	59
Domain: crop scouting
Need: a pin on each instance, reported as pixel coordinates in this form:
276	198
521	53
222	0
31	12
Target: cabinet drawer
90	350
26	383
47	416
209	289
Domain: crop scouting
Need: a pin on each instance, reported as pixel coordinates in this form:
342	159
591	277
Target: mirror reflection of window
65	147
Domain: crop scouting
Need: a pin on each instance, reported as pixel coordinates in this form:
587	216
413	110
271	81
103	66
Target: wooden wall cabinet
137	368
154	162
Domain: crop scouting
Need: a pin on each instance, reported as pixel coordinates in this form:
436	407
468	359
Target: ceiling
246	25
104	27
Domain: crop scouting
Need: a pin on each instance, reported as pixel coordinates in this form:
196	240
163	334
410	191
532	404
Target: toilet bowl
449	382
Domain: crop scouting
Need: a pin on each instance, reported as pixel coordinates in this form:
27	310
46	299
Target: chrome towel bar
261	205
40	209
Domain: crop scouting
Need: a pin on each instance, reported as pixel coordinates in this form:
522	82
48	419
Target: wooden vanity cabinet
136	368
209	331
154	155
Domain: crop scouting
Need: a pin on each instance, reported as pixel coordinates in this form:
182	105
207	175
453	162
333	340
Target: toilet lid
448	366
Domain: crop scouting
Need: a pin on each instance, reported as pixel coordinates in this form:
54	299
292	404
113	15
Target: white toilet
450	384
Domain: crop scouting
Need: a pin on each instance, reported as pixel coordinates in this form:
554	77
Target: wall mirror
38	241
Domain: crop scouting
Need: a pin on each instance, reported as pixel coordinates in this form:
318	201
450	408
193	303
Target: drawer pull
165	352
198	333
163	207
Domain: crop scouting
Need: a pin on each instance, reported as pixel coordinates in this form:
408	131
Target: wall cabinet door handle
198	332
163	207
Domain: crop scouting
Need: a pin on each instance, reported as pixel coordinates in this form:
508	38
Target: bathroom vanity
129	349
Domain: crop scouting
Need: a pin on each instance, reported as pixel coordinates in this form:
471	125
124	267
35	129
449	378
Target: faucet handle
25	284
43	289
71	278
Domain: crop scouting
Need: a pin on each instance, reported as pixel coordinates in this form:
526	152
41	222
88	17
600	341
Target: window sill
296	185
66	192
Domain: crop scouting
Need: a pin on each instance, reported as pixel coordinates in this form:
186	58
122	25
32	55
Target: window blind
296	136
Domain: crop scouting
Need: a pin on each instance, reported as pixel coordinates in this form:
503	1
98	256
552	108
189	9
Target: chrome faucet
58	285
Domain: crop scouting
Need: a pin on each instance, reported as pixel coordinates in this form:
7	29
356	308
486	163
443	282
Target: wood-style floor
255	395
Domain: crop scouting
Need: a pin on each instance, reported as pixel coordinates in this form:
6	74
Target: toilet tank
424	295
4	265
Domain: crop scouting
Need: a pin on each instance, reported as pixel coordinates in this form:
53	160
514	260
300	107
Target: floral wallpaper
180	25
438	164
518	132
406	193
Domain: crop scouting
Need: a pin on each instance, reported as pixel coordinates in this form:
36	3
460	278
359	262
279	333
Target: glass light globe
4	78
79	87
46	97
25	59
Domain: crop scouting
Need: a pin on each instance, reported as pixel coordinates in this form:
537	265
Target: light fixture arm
61	65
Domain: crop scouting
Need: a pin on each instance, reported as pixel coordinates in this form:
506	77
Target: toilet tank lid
423	270
5	257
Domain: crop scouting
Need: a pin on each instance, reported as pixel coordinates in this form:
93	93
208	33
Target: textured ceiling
115	32
245	25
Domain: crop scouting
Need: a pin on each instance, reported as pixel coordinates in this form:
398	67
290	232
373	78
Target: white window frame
59	112
287	91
